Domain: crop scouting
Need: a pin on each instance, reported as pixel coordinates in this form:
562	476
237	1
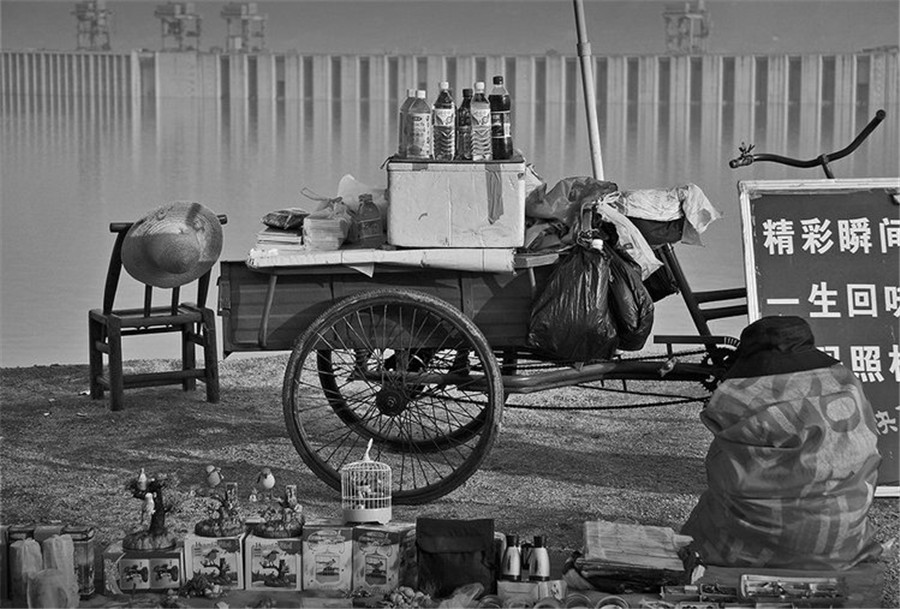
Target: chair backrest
115	271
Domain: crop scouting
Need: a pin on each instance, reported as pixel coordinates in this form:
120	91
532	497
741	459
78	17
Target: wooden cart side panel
499	304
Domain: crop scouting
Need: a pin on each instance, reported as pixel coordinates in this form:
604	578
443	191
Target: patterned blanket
791	473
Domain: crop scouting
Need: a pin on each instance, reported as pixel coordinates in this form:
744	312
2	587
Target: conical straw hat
172	245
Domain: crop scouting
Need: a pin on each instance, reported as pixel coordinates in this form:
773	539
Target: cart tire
405	369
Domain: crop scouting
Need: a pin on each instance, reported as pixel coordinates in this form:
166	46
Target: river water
70	167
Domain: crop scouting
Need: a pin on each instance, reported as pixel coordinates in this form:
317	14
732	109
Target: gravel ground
66	457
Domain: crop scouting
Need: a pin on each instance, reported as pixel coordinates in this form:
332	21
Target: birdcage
366	490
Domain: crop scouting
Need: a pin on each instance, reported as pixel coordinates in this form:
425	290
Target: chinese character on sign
895	361
884	422
816	235
854	235
861	300
823	298
892	299
866	363
779	236
889	230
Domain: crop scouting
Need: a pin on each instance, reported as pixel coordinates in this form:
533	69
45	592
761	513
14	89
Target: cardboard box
531	592
219	557
152	570
272	563
456	205
384	557
327	555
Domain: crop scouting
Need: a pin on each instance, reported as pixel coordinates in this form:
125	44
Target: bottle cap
479	86
444	84
467	92
410	92
421	93
512	540
498	80
538	541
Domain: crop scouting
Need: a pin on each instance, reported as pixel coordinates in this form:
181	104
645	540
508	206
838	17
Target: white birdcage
366	490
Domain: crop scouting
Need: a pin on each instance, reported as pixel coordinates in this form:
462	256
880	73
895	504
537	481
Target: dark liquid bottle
464	127
501	127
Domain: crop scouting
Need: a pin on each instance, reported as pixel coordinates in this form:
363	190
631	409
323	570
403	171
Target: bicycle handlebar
746	158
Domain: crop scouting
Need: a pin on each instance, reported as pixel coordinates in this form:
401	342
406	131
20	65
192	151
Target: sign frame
752	190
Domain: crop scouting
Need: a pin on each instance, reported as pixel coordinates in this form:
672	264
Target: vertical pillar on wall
350	108
711	111
321	78
647	147
292	76
265	77
437	71
522	101
554	108
679	113
844	100
380	108
744	98
616	114
465	73
777	103
811	100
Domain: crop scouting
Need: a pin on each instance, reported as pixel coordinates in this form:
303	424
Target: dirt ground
66	457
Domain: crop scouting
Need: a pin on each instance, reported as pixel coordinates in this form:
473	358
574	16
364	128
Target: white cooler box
456	204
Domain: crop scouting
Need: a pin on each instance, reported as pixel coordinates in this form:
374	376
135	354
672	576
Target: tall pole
587	79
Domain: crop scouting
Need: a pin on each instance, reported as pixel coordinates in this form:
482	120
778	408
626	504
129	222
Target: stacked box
327	555
220	558
456	205
273	563
384	557
148	570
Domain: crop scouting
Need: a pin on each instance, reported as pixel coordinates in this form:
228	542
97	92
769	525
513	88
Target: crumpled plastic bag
570	319
349	189
290	218
556	212
630	302
667	204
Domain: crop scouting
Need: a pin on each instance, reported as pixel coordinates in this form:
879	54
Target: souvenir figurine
265	482
153	510
213	476
226	518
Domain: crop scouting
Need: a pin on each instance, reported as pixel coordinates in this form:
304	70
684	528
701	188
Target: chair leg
188	356
95	357
116	374
210	357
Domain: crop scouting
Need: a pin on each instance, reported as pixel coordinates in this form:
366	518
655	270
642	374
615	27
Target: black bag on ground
570	319
629	301
453	553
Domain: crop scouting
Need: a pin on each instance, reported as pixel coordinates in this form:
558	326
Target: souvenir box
273	563
327	555
142	571
384	557
220	558
456	205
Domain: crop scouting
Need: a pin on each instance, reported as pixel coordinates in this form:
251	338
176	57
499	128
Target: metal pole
587	79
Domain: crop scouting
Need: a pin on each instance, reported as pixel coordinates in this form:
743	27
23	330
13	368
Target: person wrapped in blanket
792	466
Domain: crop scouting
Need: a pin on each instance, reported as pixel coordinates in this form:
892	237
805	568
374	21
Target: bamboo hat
172	245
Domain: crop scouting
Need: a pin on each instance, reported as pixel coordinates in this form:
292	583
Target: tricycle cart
421	361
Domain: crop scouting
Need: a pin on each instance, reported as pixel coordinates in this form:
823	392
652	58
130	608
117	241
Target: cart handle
822	160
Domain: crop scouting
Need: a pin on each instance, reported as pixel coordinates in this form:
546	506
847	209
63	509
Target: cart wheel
405	369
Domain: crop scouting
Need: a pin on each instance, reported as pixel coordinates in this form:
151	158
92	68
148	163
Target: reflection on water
71	166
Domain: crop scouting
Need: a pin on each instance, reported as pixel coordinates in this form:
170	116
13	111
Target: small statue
153	510
265	482
225	519
281	518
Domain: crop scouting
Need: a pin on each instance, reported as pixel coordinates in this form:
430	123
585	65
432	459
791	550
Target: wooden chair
108	326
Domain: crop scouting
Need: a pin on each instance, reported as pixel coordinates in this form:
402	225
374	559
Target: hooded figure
792	466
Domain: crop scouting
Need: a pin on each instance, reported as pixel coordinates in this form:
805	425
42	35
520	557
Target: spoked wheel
405	369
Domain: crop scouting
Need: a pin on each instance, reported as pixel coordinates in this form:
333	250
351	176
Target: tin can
83	542
18	532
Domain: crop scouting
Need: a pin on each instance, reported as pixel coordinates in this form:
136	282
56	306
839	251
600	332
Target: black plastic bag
453	553
570	319
630	303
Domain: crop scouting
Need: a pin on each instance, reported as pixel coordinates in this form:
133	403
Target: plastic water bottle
481	125
464	127
418	121
403	139
444	116
501	127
